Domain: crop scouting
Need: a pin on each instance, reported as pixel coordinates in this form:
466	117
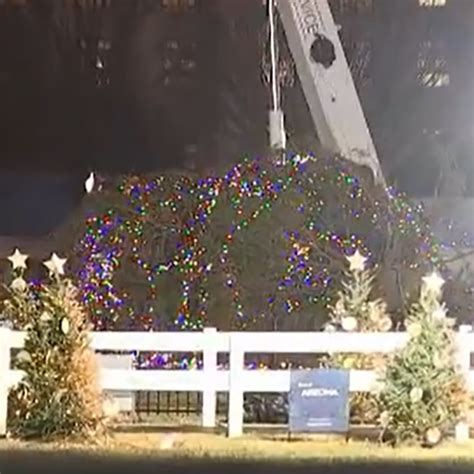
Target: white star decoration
55	264
357	261
18	260
433	282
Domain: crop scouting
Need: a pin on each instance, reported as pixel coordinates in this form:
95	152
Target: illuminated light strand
114	238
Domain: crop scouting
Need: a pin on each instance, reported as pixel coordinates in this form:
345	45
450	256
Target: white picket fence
237	379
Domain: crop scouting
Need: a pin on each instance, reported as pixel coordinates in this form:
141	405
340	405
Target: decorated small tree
59	395
356	311
424	393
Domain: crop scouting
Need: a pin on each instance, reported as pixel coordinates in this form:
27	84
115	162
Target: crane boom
327	82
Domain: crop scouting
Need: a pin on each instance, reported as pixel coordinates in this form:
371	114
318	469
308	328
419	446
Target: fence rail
237	380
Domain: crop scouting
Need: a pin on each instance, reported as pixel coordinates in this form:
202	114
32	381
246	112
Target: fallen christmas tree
260	246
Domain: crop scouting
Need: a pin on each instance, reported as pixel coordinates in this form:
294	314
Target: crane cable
276	118
273	54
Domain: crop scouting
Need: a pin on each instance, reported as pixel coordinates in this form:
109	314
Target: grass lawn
279	448
198	453
253	447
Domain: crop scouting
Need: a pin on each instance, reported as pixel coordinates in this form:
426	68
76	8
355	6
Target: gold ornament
339	308
414	329
437	361
23	356
349	323
18	284
384	418
385	324
65	325
45	316
374	311
450	322
18	260
433	436
433	282
55	264
356	262
416	394
439	314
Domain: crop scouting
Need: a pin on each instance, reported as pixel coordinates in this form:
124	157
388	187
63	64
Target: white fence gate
237	380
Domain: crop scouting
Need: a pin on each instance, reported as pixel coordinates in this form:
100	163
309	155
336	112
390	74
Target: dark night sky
124	89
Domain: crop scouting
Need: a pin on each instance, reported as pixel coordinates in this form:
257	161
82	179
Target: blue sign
319	401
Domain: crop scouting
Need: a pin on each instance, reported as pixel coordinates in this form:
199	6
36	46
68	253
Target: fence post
461	432
236	392
209	358
5	337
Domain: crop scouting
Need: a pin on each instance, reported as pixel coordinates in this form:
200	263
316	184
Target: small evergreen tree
424	394
59	395
355	311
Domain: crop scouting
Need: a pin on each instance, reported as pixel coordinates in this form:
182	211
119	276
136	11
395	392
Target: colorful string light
188	211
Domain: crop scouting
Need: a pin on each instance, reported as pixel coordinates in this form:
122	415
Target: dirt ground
20	462
207	453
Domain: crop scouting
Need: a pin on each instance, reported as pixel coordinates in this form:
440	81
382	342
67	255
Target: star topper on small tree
59	394
356	262
433	282
55	265
18	260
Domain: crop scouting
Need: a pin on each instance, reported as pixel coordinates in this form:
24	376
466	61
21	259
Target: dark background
146	85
